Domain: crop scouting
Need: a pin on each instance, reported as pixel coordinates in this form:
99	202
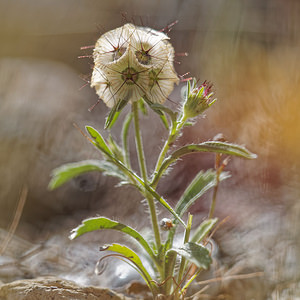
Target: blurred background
249	50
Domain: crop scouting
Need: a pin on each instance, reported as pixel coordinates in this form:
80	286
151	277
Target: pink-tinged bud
197	98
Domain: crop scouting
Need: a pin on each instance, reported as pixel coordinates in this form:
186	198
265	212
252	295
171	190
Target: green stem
186	239
143	169
174	131
219	170
190	281
125	131
214	198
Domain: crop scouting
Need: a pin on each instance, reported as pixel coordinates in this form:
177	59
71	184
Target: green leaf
100	223
99	141
132	257
210	146
69	171
203	230
151	105
142	107
114	113
66	172
110	169
161	110
130	173
195	253
201	183
116	150
164	121
216	147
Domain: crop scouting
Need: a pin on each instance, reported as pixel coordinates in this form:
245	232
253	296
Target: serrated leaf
132	257
101	223
201	184
66	172
195	253
203	230
99	141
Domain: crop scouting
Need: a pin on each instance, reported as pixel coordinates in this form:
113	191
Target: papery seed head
132	62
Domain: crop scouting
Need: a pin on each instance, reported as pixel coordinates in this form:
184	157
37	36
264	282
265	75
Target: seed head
133	62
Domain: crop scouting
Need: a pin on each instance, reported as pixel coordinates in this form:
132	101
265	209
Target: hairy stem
143	169
173	133
219	170
186	239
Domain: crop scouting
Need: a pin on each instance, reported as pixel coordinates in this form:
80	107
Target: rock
46	288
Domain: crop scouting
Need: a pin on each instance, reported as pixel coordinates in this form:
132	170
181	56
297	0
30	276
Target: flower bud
197	98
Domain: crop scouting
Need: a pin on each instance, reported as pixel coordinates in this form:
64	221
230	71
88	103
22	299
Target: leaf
66	172
202	231
132	257
161	110
210	146
100	223
69	171
142	107
201	184
99	141
164	121
116	150
195	253
114	113
216	147
160	199
110	169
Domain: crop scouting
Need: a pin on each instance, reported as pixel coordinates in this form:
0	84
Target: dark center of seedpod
118	52
130	76
143	57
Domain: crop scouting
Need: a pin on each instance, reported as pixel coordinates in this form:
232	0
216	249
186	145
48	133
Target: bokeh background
249	50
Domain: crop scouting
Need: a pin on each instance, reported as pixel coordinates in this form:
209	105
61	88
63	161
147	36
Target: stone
54	288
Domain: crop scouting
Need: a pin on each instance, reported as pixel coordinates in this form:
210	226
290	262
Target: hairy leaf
131	256
99	141
210	146
195	253
203	230
216	147
201	184
100	223
66	172
114	113
161	110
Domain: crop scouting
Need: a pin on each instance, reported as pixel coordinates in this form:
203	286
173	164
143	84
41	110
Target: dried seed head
132	62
